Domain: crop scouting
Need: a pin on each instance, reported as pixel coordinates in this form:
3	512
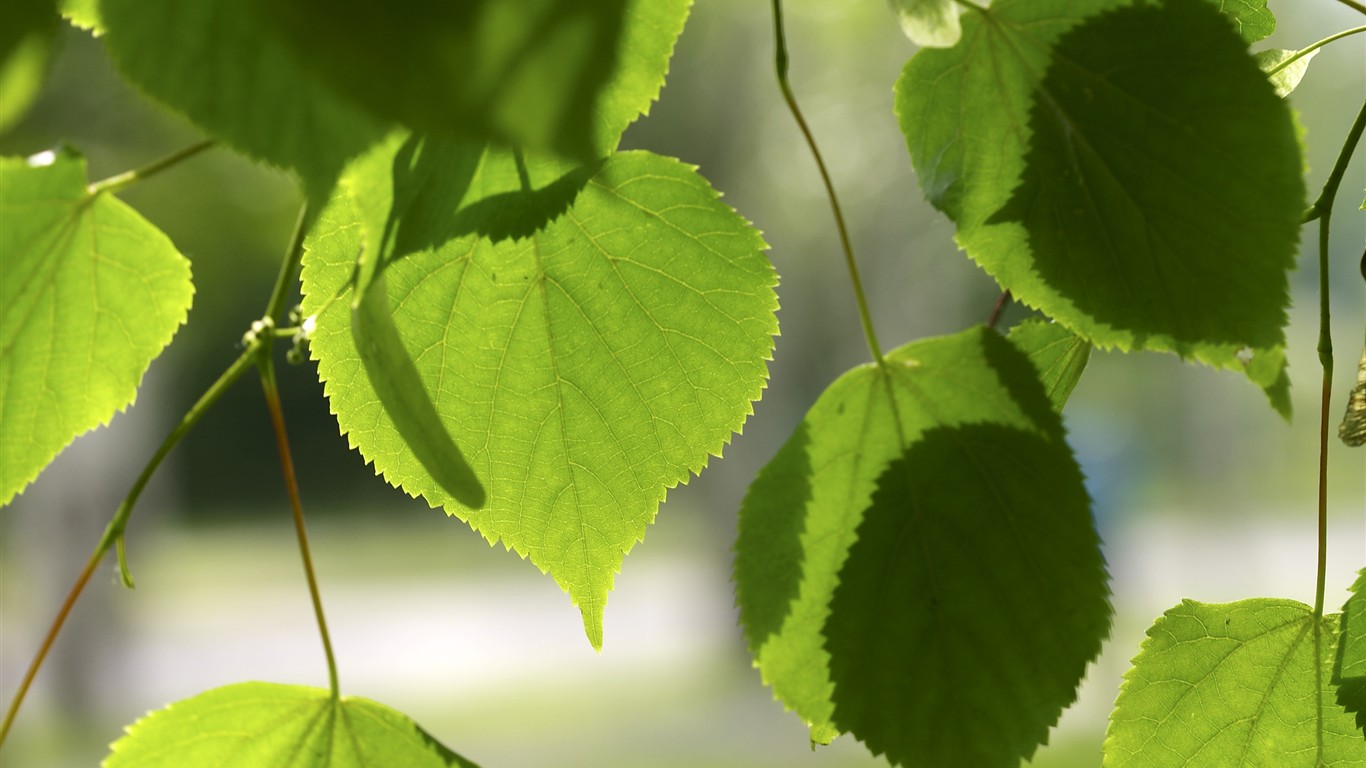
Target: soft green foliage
1129	172
1236	685
527	73
83	13
25	43
1349	669
1251	18
248	725
918	566
91	294
1059	354
930	23
1284	77
589	337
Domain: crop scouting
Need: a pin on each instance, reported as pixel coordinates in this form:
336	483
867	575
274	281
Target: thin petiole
119	181
1354	5
781	62
1301	53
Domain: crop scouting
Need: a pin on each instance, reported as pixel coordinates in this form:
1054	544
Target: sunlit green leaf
589	337
918	566
1285	77
1251	18
1129	172
84	14
91	294
565	75
1231	686
1059	354
249	725
1349	670
931	23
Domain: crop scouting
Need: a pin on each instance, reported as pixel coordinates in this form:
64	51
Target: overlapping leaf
1349	669
1253	20
589	336
1129	171
918	566
1284	68
1234	685
932	23
25	42
1059	354
91	294
248	725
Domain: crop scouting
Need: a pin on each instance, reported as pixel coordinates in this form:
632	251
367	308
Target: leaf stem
1358	7
997	309
290	266
119	181
114	531
781	63
1301	53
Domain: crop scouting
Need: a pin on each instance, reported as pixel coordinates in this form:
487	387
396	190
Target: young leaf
1284	78
1059	354
216	62
930	23
589	336
1349	669
1237	684
91	294
918	565
1131	174
1253	20
562	75
246	725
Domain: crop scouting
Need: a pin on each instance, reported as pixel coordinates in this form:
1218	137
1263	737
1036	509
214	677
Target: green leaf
84	14
25	48
1284	77
1129	172
918	565
219	64
246	725
562	75
1059	354
91	294
589	337
1236	684
1349	669
930	23
1251	18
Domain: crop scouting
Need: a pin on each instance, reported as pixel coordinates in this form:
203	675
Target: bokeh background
1201	490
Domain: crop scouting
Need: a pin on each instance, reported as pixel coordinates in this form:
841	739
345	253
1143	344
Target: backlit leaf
248	725
1130	172
1059	354
1253	20
1234	685
91	294
931	23
1349	669
589	337
1285	77
918	566
84	14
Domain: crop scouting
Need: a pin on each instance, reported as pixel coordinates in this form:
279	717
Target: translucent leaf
84	14
1349	670
1059	354
219	64
1251	18
1132	174
247	725
918	566
1234	685
1284	78
1352	428
589	336
91	294
565	75
930	23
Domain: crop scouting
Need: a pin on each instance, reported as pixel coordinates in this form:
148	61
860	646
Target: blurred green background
1201	490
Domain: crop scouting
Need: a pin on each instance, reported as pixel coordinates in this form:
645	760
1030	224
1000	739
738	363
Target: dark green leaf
1059	354
563	75
91	295
589	337
25	47
250	725
1231	686
1132	174
918	565
1349	669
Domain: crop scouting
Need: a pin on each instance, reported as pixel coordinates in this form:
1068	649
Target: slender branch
277	420
115	183
114	531
781	62
290	266
1358	7
998	308
1301	53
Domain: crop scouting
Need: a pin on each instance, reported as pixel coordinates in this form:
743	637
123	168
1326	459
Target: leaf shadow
1351	690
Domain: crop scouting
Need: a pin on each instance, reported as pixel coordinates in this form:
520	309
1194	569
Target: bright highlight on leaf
1253	20
918	566
91	295
1059	354
1130	173
249	725
589	337
1285	77
1234	685
1349	669
929	23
